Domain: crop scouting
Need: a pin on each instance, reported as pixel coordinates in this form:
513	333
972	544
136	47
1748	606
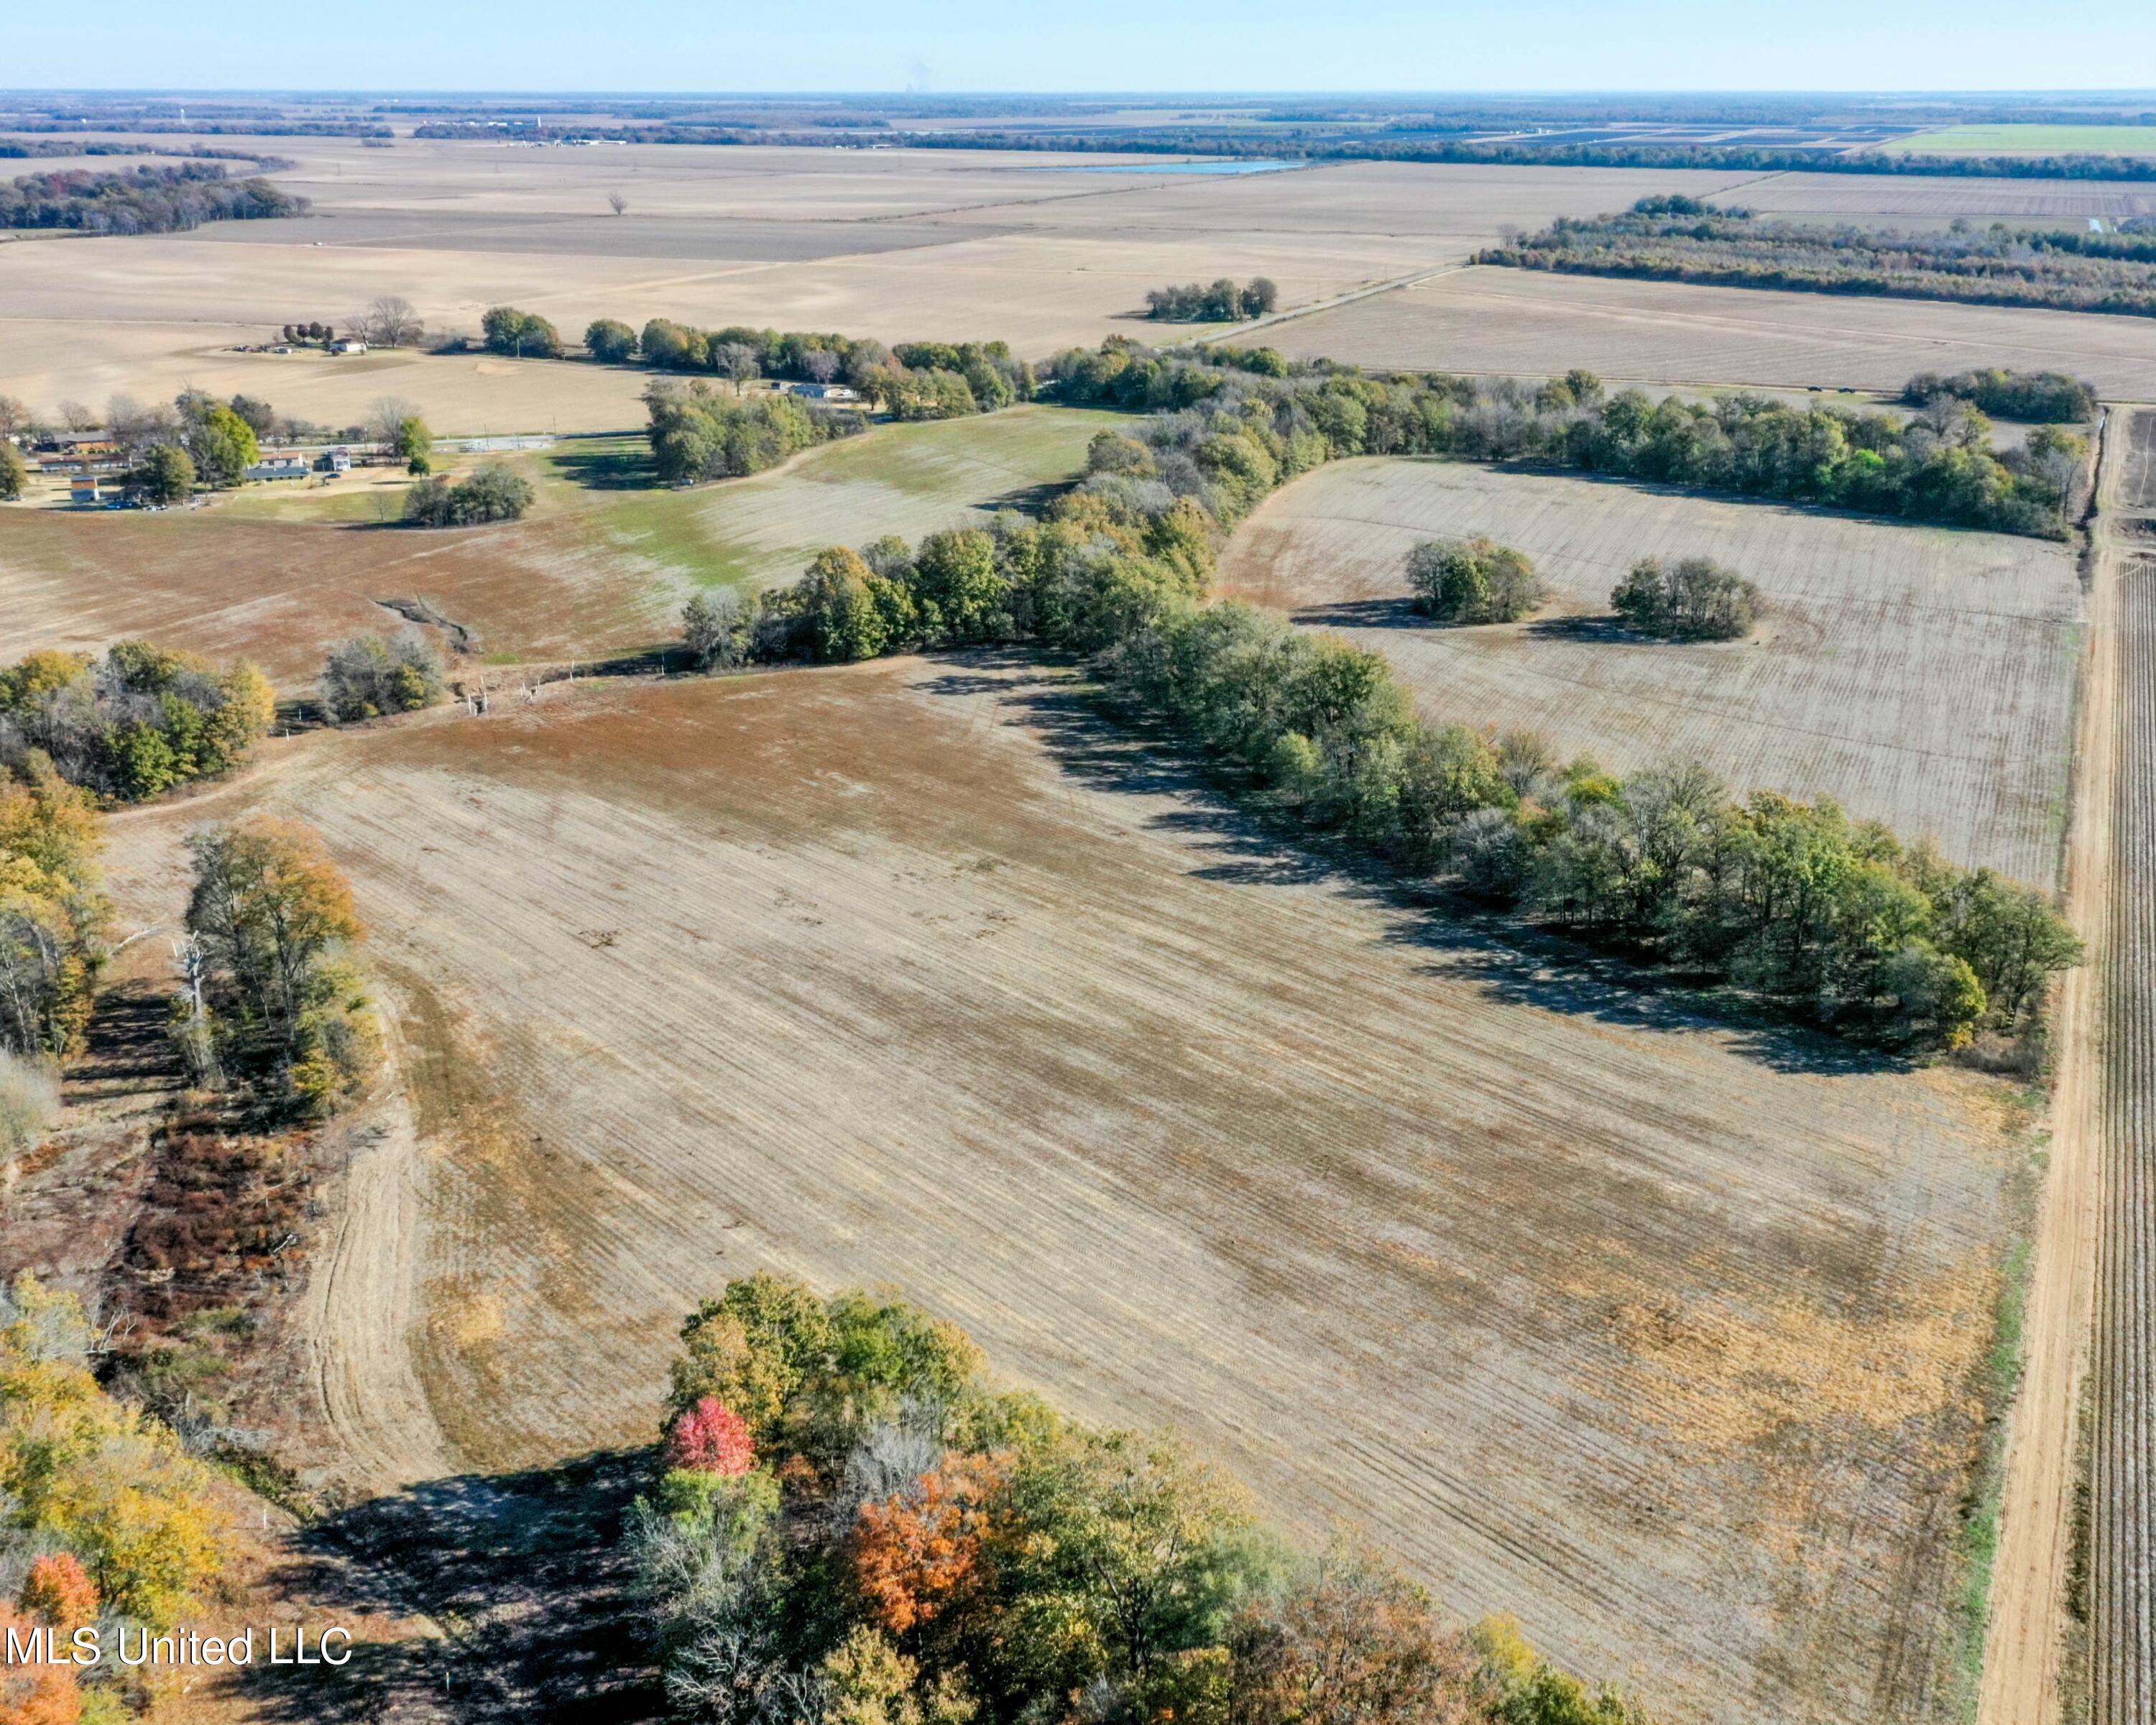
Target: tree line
1831	920
1937	466
1996	265
2038	397
141	200
848	1526
1223	302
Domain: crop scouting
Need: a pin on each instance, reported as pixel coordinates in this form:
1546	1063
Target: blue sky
1190	45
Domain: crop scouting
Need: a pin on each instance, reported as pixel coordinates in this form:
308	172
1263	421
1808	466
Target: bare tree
390	323
77	417
735	360
14	416
620	201
821	364
386	417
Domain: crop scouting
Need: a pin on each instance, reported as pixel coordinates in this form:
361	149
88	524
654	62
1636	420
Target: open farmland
1658	1334
898	245
2122	1579
1919	198
1923	676
2010	140
1534	323
591	573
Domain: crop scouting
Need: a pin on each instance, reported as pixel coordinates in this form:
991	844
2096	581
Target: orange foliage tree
913	1552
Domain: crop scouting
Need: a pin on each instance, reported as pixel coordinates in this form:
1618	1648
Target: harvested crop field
1531	323
2121	1578
898	245
593	572
1874	199
1661	1335
1923	676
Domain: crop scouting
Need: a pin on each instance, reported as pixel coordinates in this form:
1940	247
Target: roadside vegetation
2040	398
1687	239
141	200
1834	921
851	1527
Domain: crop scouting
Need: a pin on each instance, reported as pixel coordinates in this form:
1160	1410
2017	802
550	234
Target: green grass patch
2029	140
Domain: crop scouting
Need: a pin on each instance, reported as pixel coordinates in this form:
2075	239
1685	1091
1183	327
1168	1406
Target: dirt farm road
2022	1668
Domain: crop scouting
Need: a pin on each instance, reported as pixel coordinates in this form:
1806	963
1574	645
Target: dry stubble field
1923	676
898	245
1661	1335
592	573
1531	323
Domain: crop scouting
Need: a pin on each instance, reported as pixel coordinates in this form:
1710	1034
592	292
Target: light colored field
1923	676
1526	322
590	572
898	245
2029	140
1657	1335
1870	197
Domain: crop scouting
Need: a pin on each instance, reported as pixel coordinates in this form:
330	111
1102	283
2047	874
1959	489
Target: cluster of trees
852	1529
1937	466
916	380
105	1520
53	917
1996	265
1686	600
369	675
521	335
494	493
135	723
1473	580
273	1004
1870	939
698	434
142	200
1222	302
2039	397
1831	919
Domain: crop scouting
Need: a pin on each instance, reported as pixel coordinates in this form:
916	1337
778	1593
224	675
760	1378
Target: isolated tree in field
493	494
167	475
1689	599
609	341
1472	581
390	321
369	675
618	202
14	472
275	918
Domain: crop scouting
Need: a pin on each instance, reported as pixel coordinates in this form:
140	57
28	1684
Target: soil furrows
2124	1629
904	975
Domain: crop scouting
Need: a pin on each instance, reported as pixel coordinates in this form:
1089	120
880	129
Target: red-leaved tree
711	1438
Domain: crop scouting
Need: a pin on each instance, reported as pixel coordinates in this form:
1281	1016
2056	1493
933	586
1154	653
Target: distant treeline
1939	466
39	147
143	200
249	128
1831	919
1991	266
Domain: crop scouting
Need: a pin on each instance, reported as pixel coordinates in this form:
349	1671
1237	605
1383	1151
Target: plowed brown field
1923	676
1659	1334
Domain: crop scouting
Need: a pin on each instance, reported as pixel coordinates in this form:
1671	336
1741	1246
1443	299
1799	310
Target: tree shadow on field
1511	961
1398	612
522	1572
607	470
